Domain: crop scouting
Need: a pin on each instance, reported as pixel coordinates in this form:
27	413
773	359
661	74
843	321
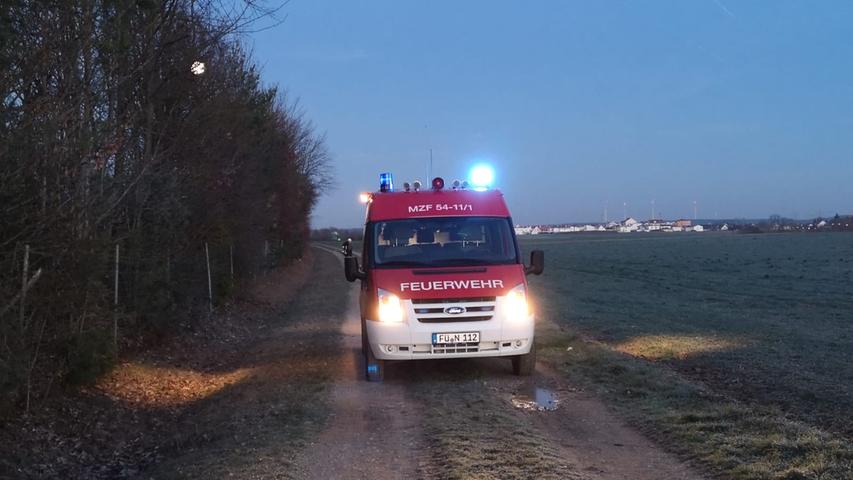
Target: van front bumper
412	340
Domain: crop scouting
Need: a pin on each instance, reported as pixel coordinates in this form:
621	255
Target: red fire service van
442	276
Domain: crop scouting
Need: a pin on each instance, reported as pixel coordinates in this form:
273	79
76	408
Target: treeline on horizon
117	154
779	224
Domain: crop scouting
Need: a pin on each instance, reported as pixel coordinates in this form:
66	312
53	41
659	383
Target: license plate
455	337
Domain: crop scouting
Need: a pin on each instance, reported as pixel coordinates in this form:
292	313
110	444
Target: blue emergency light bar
482	176
386	182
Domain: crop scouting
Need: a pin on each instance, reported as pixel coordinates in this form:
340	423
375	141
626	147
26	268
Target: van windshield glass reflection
442	242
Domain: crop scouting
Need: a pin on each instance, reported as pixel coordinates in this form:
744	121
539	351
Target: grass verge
730	438
473	434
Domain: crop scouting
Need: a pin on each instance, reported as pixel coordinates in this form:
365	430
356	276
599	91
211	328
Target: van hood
449	282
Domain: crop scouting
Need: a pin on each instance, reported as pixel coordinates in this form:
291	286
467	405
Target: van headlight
516	304
390	307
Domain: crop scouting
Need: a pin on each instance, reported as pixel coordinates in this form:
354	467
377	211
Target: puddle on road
536	399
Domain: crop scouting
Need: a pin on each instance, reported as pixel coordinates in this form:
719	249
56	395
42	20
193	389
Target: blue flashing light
482	176
372	368
386	182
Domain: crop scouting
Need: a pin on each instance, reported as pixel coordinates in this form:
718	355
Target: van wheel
374	369
523	365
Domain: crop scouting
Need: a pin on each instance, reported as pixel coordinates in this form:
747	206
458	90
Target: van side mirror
347	247
537	263
351	269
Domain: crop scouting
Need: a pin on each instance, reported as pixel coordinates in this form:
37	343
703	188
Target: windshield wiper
404	263
466	261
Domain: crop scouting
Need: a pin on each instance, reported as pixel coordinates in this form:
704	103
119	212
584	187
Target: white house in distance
526	230
630	224
654	225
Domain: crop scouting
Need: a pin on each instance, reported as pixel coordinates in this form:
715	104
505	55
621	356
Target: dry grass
472	433
149	386
672	347
736	439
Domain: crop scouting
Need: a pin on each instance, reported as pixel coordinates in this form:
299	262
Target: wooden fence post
209	281
115	297
24	278
115	306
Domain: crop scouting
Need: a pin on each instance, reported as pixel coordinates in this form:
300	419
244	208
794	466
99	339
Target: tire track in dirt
373	431
600	444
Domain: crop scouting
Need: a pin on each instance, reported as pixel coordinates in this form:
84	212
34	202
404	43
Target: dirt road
373	430
471	418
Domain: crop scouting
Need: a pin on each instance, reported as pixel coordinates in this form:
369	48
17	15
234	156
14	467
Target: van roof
430	203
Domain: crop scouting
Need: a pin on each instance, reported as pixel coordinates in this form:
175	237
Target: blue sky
744	107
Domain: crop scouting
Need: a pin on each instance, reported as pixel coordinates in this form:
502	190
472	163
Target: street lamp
197	68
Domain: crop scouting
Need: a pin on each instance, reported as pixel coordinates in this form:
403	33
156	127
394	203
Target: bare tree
108	136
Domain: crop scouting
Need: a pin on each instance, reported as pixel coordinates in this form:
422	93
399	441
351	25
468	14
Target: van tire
374	369
524	365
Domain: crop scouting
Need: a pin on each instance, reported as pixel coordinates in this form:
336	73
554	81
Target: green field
736	350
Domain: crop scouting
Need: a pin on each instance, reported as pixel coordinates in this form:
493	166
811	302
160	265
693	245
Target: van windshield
444	242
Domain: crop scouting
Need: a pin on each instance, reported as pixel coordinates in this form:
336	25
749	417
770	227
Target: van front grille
458	318
490	308
470	347
472	309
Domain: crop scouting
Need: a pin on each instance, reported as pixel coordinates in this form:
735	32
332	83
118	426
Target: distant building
654	225
683	223
629	225
525	230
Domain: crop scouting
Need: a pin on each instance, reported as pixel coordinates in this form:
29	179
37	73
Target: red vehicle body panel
441	203
449	282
